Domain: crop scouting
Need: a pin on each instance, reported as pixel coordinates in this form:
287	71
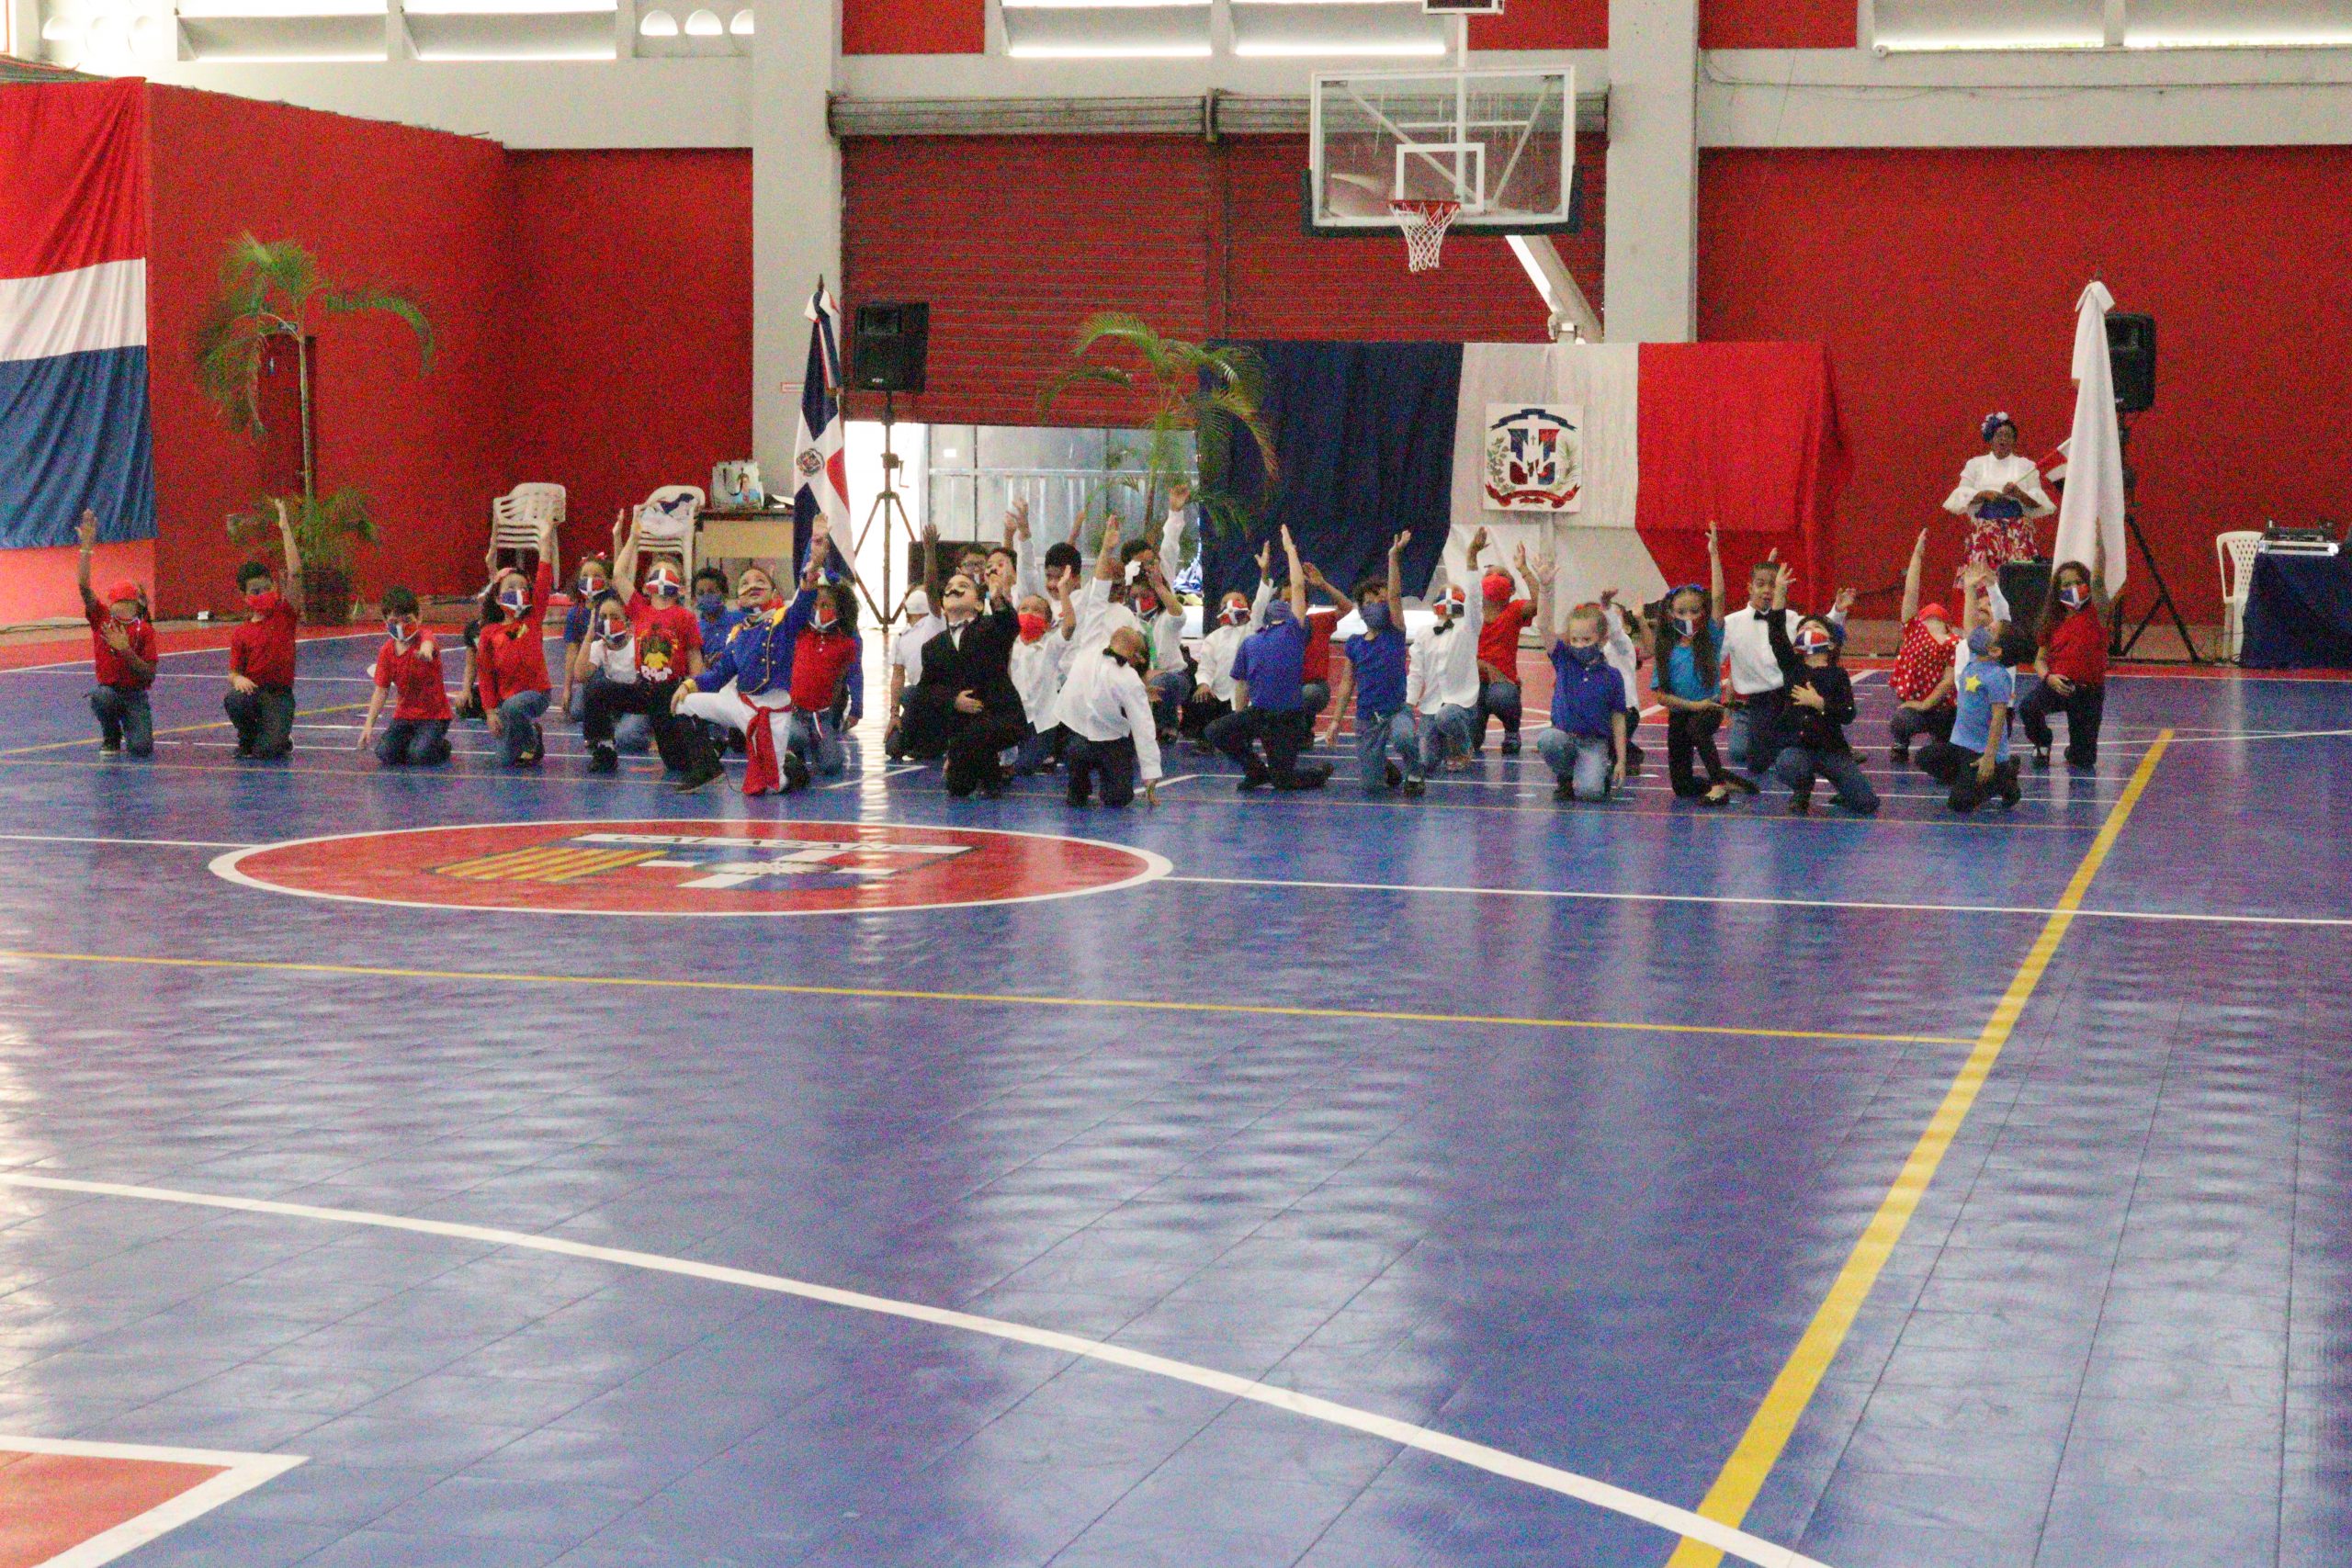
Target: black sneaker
1511	746
1415	786
1898	755
1249	782
1801	803
795	771
1744	786
2041	756
604	758
1396	775
704	774
109	747
1565	789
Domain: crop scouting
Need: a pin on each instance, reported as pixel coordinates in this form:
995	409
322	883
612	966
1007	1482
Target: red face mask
1033	625
262	603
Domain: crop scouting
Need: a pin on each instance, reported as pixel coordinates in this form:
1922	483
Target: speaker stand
2119	645
891	512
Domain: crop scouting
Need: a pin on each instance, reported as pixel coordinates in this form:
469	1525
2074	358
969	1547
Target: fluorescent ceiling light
439	58
229	10
1986	45
2249	41
1104	5
1109	52
375	59
1293	49
510	7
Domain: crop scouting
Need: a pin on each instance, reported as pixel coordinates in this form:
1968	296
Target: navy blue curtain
1363	433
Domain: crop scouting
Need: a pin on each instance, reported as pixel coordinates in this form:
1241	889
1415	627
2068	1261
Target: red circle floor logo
691	867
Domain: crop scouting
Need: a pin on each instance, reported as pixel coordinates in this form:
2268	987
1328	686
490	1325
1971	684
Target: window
1066	475
1915	25
1049	29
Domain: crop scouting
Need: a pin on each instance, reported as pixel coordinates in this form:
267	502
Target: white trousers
729	707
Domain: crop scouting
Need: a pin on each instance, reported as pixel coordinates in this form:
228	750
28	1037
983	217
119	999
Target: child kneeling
410	664
1975	762
1585	748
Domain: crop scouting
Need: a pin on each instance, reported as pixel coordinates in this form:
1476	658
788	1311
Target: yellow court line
879	993
176	730
1743	1475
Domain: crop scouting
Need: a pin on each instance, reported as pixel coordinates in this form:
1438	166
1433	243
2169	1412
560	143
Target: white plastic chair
517	517
2233	553
665	526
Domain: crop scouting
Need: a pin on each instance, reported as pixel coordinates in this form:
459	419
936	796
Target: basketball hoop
1424	224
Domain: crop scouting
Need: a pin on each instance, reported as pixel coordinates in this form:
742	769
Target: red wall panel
1205	239
379	203
1777	24
1932	320
1544	24
914	27
633	317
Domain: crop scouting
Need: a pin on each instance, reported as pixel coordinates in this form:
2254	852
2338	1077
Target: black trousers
1908	724
1692	737
1955	766
681	741
933	728
1111	763
1283	735
263	719
1201	710
2085	707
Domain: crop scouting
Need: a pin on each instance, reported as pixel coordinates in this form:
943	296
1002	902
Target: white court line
158	843
240	1473
83	663
1478	1456
875	778
1759	901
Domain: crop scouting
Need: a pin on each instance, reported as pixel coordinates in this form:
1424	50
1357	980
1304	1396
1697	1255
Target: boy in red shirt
122	648
260	700
511	657
2072	662
410	664
1924	665
1499	660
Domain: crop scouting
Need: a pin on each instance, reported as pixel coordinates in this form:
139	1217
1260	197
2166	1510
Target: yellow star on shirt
1976	683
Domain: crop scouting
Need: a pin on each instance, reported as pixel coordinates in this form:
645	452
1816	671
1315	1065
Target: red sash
762	768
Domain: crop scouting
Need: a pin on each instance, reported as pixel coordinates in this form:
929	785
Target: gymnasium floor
1919	1193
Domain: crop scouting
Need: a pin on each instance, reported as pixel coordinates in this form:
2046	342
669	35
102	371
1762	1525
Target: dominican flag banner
1617	455
74	429
821	474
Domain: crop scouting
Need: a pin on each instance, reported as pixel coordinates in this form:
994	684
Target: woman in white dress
2000	494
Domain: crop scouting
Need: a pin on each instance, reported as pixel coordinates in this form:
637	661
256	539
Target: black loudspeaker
888	344
2132	351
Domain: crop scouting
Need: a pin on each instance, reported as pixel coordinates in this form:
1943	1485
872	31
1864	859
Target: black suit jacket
982	666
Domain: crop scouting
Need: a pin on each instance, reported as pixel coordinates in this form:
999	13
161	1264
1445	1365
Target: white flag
2092	508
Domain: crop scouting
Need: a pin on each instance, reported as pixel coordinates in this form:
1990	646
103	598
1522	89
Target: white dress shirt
1104	699
1986	471
1037	670
1215	652
906	649
1442	664
1749	645
1618	650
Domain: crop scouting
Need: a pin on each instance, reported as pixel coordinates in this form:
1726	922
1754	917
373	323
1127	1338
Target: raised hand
1843	603
1477	543
1543	568
1397	546
1714	546
1265	557
1920	546
116	639
1180	496
88	531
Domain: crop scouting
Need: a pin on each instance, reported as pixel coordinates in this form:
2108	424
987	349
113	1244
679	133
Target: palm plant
273	291
1215	393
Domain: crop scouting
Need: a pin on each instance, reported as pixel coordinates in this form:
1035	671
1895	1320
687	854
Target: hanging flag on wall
821	474
74	429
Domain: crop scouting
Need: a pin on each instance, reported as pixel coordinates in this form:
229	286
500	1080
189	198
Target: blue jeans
425	741
1450	730
1499	699
1752	726
812	737
1582	761
1796	766
263	719
518	716
125	719
1376	738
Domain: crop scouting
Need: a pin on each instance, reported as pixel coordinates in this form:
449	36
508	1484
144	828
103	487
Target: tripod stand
2119	646
887	509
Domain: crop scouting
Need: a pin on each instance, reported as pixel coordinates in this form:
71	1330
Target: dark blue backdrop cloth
1365	436
2298	613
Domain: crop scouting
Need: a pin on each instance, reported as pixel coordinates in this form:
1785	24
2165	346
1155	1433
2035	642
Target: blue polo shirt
1380	662
1985	683
1273	662
716	628
1584	696
575	623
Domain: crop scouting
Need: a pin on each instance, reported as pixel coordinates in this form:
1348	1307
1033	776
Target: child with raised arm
590	582
1442	681
827	650
1811	738
122	652
1924	675
511	657
1113	736
409	667
1239	616
1686	653
1498	653
1269	697
2071	658
1974	763
1585	747
1756	690
1376	660
260	700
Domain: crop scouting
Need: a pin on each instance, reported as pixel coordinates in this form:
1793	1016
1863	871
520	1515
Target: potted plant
326	528
273	293
1215	394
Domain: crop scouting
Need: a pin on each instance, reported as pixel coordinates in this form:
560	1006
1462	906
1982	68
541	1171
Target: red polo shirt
1498	637
818	660
2076	648
511	657
1317	664
111	668
262	650
415	674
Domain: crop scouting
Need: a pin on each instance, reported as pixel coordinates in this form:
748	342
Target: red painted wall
633	365
1777	24
1544	24
1884	256
1207	241
379	203
914	27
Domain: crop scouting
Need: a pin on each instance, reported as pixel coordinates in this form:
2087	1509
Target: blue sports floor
1474	1181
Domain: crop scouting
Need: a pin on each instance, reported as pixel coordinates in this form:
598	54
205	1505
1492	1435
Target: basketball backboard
1500	142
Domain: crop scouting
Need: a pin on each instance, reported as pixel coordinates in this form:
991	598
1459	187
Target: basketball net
1424	224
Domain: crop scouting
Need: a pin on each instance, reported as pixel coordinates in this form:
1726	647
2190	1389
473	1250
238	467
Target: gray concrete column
1650	267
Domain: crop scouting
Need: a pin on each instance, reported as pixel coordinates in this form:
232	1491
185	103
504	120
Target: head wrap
1993	422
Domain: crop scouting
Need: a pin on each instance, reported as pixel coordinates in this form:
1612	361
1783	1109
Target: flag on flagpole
2092	509
821	474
